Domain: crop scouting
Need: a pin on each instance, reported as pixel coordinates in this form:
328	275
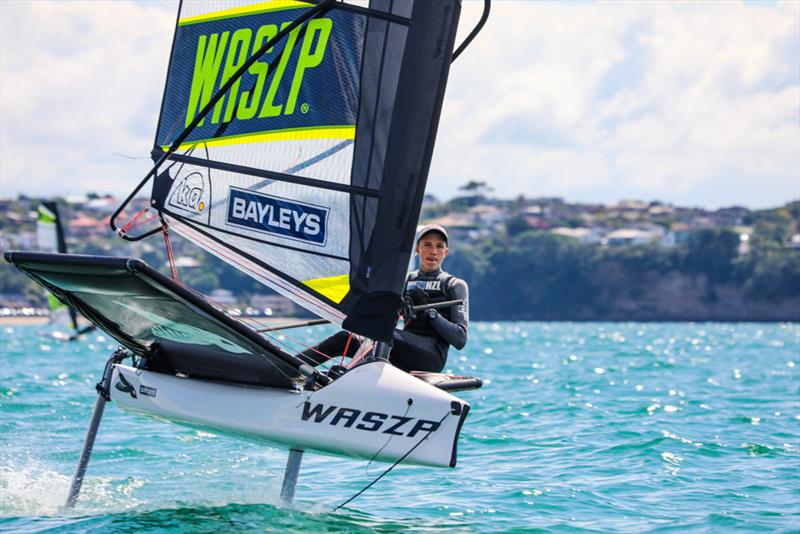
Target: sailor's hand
407	309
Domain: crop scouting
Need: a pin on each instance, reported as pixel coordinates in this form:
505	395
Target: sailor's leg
412	352
290	475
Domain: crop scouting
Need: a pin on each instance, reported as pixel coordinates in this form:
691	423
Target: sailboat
50	237
294	143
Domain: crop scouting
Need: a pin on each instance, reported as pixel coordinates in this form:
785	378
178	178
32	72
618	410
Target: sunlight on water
610	427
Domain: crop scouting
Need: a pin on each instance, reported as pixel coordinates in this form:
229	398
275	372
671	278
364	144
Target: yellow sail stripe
333	287
261	7
289	134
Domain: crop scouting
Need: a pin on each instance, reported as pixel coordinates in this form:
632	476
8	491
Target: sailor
423	343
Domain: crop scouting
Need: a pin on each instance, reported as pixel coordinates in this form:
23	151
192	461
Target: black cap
432	228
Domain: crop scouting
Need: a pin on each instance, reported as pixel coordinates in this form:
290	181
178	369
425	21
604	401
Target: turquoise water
580	427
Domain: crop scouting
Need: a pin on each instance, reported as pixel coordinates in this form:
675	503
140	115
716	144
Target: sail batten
274	176
306	165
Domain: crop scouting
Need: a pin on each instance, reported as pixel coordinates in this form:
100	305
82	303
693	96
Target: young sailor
423	343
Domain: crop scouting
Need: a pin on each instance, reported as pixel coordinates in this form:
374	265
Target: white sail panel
46	229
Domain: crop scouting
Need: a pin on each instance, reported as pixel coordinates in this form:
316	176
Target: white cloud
79	82
689	102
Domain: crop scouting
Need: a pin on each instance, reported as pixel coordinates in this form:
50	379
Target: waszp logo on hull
277	216
394	425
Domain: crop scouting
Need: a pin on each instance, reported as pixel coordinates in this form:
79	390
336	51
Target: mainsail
305	166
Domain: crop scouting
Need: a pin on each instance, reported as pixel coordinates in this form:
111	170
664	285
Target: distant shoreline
37	320
21	320
277	321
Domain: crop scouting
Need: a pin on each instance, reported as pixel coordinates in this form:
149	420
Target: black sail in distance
308	174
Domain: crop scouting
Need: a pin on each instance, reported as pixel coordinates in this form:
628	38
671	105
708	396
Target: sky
690	103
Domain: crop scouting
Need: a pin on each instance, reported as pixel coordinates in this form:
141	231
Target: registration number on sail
277	216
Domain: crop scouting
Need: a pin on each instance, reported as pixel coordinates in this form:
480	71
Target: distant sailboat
50	238
294	142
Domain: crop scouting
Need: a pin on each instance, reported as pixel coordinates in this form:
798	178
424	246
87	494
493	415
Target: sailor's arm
454	332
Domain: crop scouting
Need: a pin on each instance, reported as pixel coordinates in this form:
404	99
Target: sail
50	238
49	231
309	170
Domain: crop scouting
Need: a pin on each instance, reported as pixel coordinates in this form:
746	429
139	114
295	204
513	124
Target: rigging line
412	449
370	351
173	269
134	222
391	437
130	157
346	347
296	290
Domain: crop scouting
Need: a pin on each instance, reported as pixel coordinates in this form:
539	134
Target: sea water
631	427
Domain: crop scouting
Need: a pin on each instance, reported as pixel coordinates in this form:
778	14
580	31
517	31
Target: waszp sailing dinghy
50	238
294	142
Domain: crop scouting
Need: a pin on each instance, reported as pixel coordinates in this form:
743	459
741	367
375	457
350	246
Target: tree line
524	274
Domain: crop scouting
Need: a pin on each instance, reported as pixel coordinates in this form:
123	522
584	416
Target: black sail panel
400	162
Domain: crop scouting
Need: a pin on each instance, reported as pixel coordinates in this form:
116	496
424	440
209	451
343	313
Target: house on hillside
587	236
733	216
460	226
105	205
632	236
485	214
84	226
680	233
794	243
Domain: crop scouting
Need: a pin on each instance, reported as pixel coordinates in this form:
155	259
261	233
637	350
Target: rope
135	223
170	256
346	348
351	499
391	437
354	361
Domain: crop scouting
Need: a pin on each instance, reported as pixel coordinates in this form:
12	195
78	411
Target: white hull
363	413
